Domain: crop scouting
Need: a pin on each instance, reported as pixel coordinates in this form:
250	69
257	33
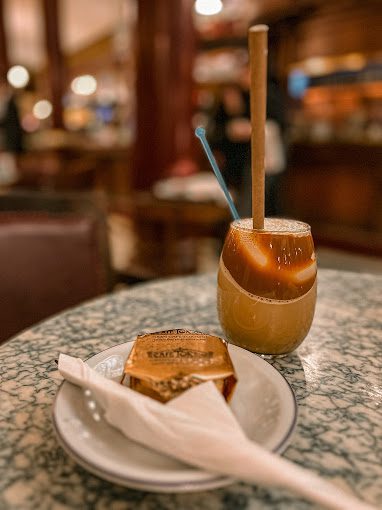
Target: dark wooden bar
336	188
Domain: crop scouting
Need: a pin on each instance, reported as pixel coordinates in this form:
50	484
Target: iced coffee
267	285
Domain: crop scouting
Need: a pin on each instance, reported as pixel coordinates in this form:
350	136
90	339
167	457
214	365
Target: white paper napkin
196	428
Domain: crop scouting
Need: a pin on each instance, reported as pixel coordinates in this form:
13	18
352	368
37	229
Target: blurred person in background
231	140
230	135
275	148
11	135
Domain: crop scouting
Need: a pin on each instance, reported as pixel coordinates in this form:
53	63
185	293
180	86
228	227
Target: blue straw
201	134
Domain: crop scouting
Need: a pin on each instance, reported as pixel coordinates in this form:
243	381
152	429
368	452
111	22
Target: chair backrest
53	255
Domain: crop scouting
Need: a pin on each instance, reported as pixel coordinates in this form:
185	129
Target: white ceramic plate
263	403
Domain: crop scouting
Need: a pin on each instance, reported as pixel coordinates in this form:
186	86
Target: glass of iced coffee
267	285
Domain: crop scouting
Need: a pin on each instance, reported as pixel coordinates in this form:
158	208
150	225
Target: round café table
336	375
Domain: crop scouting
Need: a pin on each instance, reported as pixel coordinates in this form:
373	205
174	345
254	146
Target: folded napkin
196	428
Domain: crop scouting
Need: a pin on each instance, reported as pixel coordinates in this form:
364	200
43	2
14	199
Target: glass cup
267	285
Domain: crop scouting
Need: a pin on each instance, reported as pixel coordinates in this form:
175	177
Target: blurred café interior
102	181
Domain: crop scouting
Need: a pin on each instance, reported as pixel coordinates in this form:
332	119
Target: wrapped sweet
164	364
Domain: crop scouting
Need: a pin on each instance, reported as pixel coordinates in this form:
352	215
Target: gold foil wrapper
162	365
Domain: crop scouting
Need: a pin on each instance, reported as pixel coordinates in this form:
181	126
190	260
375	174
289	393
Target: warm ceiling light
316	66
18	76
42	109
354	61
84	85
208	7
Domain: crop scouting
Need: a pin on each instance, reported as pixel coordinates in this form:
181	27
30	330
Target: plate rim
214	482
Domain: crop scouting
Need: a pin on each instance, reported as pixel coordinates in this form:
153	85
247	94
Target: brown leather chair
53	255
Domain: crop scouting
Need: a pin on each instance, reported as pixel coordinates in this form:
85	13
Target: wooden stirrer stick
258	54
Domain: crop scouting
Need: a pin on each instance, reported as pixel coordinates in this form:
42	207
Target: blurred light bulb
18	76
208	7
354	61
42	109
84	85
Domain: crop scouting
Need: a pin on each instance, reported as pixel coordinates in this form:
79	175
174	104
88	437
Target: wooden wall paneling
4	63
164	88
340	28
56	71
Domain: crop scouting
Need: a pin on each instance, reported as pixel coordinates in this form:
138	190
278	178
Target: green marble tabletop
336	375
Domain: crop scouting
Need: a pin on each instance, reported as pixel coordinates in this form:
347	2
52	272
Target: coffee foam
275	225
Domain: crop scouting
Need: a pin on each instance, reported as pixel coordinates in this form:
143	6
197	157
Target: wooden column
4	63
56	73
165	57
